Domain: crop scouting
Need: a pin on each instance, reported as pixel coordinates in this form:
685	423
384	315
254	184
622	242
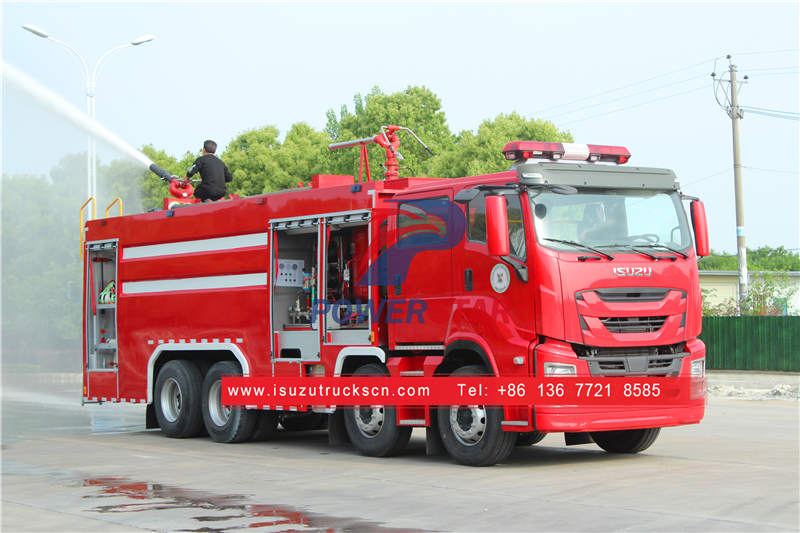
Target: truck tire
266	425
473	435
626	441
225	424
177	399
529	438
373	430
305	422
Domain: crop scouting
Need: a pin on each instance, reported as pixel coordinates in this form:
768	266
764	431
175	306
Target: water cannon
178	188
162	173
387	139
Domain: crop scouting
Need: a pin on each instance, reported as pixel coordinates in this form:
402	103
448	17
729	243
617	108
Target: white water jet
58	105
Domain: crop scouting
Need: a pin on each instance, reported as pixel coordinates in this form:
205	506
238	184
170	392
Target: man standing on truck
213	172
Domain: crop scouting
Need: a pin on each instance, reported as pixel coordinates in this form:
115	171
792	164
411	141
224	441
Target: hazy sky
215	70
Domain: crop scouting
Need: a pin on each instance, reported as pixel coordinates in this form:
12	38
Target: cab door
426	227
493	295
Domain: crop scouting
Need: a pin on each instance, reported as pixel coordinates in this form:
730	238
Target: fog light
560	369
699	368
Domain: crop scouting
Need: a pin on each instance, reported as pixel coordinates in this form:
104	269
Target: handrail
94	216
117	199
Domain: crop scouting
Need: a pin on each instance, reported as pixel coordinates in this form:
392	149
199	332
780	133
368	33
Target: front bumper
574	419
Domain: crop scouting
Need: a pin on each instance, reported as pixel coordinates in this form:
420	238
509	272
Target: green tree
417	108
481	152
251	159
260	163
41	324
763	258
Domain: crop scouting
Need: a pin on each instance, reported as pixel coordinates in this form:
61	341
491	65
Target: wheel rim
468	423
369	420
171	400
218	412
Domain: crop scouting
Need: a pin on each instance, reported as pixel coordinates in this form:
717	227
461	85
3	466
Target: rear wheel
373	430
177	399
225	424
472	434
626	441
529	438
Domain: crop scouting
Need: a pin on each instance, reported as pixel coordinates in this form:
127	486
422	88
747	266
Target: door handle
468	279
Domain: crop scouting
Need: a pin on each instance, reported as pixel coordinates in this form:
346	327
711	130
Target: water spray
61	107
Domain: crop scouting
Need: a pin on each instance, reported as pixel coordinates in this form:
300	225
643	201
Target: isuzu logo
633	272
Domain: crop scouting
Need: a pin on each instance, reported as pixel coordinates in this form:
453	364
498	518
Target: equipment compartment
101	306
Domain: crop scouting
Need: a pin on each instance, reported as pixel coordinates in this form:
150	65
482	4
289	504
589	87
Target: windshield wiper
581	245
671	249
637	249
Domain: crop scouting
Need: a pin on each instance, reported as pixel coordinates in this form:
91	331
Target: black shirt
213	172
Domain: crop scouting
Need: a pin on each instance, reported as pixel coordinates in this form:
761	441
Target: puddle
179	509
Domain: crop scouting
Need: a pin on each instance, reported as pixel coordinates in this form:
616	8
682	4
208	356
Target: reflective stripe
195	284
200	245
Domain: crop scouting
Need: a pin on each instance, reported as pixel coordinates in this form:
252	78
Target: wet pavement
95	468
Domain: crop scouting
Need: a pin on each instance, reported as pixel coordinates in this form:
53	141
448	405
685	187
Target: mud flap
337	433
150	420
572	439
433	439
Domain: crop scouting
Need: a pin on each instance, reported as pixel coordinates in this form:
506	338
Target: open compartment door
100	301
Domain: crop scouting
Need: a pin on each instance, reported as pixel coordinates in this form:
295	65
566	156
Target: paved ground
67	468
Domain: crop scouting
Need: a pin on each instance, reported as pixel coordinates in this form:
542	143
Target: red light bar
617	154
522	150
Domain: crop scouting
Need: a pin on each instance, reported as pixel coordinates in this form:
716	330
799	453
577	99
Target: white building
725	283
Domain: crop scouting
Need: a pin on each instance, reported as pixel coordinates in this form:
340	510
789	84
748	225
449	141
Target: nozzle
160	172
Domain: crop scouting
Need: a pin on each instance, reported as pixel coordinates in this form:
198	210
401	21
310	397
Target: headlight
560	369
699	368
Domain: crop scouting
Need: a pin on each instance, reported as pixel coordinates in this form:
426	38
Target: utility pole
736	115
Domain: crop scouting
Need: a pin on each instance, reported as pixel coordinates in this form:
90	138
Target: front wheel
626	441
225	424
373	429
473	434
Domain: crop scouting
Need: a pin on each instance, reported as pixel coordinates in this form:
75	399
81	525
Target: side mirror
700	224
497	225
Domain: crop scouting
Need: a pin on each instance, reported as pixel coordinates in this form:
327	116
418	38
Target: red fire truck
570	263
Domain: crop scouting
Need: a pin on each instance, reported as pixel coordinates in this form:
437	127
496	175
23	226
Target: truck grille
632	294
630	361
633	324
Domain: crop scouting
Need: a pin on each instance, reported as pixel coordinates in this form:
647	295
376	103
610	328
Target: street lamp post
91	83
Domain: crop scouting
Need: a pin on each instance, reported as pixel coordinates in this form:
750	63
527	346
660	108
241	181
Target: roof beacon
522	150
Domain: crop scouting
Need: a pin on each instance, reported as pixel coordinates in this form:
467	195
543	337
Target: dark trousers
204	193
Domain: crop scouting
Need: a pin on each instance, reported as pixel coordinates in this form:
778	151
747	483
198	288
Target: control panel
290	273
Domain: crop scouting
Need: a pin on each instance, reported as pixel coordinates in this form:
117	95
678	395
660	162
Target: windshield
609	219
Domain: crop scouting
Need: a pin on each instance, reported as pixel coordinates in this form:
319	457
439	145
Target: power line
767	52
772	170
724	171
776	74
774	115
536	113
770	110
624	97
793	67
636	105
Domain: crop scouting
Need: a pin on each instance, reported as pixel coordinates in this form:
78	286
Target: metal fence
752	342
